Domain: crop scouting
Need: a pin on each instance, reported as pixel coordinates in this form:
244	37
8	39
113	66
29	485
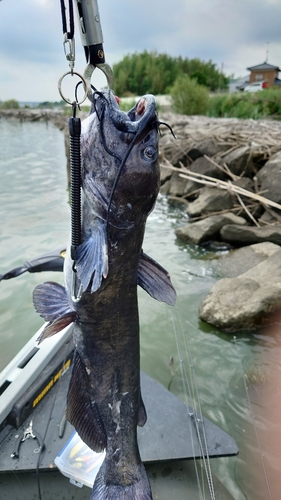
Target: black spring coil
75	169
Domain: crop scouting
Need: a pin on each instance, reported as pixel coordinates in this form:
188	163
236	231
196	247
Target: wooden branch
188	174
246	210
224	169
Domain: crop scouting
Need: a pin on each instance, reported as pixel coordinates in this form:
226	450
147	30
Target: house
265	72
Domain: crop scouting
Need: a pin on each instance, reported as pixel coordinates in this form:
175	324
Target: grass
263	104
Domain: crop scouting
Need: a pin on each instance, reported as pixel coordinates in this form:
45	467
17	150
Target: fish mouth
138	118
144	108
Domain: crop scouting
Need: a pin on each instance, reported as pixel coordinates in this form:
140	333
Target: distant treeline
150	72
10	104
14	104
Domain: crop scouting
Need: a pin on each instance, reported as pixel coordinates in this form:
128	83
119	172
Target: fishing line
185	385
254	423
191	390
235	475
203	445
101	119
206	460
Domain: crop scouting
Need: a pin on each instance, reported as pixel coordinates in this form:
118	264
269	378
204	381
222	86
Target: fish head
119	151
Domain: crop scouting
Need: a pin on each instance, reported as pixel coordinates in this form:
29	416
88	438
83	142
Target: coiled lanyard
92	40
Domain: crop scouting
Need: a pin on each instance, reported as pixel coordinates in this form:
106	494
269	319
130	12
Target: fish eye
150	153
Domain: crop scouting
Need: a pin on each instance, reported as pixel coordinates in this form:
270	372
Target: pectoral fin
155	280
92	258
51	302
82	412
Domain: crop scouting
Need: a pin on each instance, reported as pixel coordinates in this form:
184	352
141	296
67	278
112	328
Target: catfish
120	181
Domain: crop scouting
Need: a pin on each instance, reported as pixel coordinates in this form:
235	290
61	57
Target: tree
150	72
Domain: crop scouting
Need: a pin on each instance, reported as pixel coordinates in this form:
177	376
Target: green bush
10	104
188	97
266	103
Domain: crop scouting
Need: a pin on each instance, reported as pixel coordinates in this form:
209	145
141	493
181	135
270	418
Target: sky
234	34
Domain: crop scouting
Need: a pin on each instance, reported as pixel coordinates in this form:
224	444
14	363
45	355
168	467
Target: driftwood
238	191
185	173
262	136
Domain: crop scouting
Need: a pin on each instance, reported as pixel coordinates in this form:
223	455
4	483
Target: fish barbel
120	183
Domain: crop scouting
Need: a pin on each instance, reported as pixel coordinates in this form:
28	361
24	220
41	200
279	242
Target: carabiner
70	53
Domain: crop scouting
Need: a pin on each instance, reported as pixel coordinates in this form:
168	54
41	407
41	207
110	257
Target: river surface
35	219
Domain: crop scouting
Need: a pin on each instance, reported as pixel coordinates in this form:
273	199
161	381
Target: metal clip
69	50
90	68
28	432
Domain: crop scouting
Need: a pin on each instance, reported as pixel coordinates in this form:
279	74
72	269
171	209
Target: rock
245	183
180	186
247	301
192	189
206	167
177	185
210	200
209	147
165	188
267	218
206	229
269	177
165	173
200	166
239	161
240	260
246	235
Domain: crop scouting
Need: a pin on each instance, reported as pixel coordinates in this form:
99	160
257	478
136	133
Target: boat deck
172	435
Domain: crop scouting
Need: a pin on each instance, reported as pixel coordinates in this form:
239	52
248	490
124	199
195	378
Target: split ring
84	85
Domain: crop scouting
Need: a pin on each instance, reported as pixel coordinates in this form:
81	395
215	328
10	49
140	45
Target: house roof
264	66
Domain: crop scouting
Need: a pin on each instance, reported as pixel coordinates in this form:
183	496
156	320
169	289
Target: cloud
232	32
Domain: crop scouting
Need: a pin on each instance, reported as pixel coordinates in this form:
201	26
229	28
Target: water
35	219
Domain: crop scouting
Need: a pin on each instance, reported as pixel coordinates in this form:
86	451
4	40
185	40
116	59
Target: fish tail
106	488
